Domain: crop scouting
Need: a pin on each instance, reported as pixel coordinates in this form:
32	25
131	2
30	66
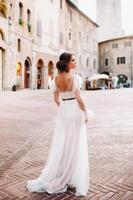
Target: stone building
109	19
32	35
80	37
61	26
16	38
116	56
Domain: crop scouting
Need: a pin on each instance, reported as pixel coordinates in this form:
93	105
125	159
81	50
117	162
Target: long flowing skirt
67	164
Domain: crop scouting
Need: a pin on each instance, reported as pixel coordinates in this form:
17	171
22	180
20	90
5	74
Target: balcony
3	8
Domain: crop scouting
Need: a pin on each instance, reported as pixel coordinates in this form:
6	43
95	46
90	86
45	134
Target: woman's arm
81	103
56	97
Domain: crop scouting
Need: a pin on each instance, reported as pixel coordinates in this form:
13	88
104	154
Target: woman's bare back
64	82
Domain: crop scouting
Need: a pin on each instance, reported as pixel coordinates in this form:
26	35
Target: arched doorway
40	74
27	73
51	69
2	36
19	75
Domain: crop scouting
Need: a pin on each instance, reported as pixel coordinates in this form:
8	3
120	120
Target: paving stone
27	120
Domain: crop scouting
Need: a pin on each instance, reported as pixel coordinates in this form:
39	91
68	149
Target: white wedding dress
67	164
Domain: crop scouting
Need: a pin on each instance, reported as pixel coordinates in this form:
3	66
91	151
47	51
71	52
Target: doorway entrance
27	73
51	69
40	74
19	75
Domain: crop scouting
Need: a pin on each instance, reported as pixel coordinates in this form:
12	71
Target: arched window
2	35
20	9
10	7
20	13
87	62
19	45
3	8
61	4
28	16
70	15
51	69
29	20
94	64
69	34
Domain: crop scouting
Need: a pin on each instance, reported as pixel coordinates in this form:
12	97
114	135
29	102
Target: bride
67	164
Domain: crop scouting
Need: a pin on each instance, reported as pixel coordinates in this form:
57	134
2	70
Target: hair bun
61	66
63	63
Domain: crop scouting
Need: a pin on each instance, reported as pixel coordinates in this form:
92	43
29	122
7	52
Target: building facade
109	19
16	38
61	26
116	56
81	39
32	35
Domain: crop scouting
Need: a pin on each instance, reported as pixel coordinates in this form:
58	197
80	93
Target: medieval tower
108	19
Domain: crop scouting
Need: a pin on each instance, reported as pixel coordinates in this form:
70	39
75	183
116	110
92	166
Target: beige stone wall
13	31
54	37
106	51
40	48
109	19
83	42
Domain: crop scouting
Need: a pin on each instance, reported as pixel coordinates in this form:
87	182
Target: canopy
99	76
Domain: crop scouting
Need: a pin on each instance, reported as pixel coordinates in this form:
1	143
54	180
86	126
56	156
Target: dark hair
62	64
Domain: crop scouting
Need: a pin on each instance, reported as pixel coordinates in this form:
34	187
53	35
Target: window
79	60
3	8
70	15
127	44
94	64
69	34
39	29
28	16
19	45
114	45
61	38
61	4
79	35
87	62
1	35
106	61
20	9
29	20
10	7
121	60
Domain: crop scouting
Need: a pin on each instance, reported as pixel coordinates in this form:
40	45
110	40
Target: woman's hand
56	98
58	103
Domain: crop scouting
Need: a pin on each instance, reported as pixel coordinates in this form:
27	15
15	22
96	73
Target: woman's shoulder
78	78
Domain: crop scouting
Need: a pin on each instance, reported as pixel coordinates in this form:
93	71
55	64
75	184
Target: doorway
27	74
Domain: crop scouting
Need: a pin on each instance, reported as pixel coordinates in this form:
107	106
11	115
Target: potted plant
29	27
20	21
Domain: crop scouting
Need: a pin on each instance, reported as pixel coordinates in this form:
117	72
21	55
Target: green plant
29	27
20	21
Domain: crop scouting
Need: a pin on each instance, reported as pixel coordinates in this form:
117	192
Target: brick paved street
26	124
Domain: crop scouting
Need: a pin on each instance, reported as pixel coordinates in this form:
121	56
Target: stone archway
40	74
51	69
19	75
27	73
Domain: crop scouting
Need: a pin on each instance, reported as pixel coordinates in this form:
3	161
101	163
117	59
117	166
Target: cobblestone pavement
26	125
